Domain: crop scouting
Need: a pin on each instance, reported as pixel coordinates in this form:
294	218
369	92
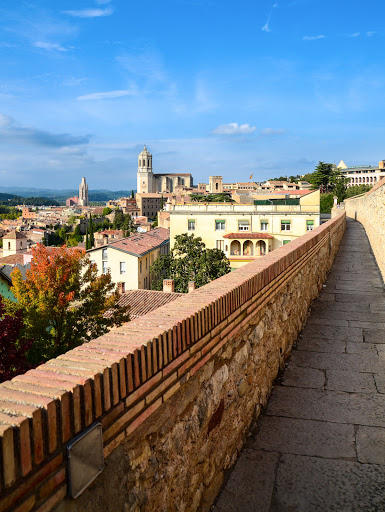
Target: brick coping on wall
121	378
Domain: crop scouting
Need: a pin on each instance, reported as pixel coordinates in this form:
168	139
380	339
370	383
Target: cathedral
147	181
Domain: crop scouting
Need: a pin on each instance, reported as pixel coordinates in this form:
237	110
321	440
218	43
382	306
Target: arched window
248	249
235	248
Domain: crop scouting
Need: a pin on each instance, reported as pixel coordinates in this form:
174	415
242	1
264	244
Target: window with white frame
105	267
220	225
309	225
285	225
243	225
191	225
104	254
264	225
122	267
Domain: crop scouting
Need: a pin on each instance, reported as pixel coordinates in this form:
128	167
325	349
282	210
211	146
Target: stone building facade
148	182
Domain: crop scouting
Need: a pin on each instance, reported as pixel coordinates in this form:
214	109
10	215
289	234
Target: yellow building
247	231
129	259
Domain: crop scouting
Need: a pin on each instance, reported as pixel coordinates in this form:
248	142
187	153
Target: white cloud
313	38
104	95
50	46
265	27
72	82
234	129
272	131
356	34
370	33
90	13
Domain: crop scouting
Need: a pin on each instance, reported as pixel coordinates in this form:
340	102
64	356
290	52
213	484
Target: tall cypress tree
132	194
92	238
87	241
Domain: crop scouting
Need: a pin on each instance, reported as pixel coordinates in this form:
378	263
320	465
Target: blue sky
211	86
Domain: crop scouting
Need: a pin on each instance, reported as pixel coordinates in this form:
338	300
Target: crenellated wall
369	209
175	391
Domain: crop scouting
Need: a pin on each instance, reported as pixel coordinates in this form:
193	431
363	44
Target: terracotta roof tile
12	259
15	235
144	301
141	243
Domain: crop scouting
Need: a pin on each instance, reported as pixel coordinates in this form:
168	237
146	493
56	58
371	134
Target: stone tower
145	177
83	193
215	185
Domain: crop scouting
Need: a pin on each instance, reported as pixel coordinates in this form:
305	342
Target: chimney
168	285
191	286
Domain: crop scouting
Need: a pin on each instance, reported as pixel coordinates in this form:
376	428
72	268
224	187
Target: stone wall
176	391
369	209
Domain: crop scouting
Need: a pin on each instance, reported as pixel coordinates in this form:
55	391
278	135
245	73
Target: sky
212	87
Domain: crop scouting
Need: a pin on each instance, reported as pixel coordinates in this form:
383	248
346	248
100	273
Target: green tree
132	194
189	260
106	211
356	190
91	232
325	177
88	245
326	202
63	301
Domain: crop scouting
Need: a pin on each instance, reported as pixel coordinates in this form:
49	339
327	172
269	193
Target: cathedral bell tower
145	177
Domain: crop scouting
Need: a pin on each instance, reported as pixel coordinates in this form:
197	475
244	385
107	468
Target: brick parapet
124	377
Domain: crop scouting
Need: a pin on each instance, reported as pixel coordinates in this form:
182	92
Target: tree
88	245
325	177
189	260
132	194
106	211
356	190
91	231
63	301
13	346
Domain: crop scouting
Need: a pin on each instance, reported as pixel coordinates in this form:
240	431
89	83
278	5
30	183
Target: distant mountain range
61	195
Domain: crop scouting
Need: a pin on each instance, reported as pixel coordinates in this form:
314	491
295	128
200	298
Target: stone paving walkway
320	444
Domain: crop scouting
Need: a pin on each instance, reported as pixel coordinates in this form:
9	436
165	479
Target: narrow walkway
320	444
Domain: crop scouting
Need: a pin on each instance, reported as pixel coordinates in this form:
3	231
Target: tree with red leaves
63	301
13	347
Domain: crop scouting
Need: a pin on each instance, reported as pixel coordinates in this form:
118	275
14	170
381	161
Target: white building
362	174
129	259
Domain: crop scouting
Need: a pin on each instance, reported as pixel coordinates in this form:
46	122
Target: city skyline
263	89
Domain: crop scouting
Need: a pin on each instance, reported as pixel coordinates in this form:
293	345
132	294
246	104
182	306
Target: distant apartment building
362	174
72	201
107	236
129	259
149	204
247	231
28	213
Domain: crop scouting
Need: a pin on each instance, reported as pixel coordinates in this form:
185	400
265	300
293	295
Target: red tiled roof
12	259
139	244
144	301
245	235
15	235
